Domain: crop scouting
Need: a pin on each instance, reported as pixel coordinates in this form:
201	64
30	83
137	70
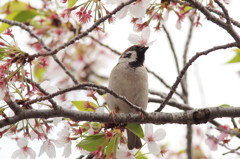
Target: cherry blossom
212	143
49	148
49	87
83	15
24	151
137	9
223	134
64	140
153	138
124	152
143	39
8	32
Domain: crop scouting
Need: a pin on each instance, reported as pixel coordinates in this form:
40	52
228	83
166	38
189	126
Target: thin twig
171	103
185	68
85	33
13	106
104	45
26	28
85	86
172	48
234	22
163	82
212	18
54	104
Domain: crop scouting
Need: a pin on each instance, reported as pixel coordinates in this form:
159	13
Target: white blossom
49	148
24	152
152	138
142	39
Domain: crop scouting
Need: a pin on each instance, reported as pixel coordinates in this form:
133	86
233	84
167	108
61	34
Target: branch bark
197	116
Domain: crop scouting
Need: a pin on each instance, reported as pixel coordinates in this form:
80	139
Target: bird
129	79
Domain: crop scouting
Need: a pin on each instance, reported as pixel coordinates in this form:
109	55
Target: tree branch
196	116
86	86
212	18
183	71
26	28
85	33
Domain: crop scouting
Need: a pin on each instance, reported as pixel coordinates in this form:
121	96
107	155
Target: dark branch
183	71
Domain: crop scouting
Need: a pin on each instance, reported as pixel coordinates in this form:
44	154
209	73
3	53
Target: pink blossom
124	152
137	9
180	20
98	153
212	143
2	44
64	140
223	134
66	14
153	138
142	40
49	148
24	151
83	15
9	32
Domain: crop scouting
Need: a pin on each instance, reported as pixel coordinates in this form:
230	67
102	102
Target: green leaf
91	143
224	105
38	72
85	106
14	6
25	15
140	155
136	129
236	58
21	16
71	3
187	8
4	26
112	145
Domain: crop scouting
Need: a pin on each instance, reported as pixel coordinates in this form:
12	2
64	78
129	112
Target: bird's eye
128	55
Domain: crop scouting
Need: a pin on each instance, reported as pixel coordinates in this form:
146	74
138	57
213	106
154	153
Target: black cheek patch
127	55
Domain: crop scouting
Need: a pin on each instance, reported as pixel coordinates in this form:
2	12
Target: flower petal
122	13
137	10
146	34
148	130
32	154
134	39
67	150
159	134
154	148
22	142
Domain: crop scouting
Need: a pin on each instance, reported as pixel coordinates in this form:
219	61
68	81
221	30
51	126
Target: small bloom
9	32
2	44
142	39
24	151
124	152
49	148
83	15
212	143
66	14
152	138
223	134
109	134
91	93
50	88
64	140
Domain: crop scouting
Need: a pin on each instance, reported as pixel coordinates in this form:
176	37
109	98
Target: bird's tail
133	141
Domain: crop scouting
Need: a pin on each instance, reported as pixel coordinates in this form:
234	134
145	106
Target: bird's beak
142	49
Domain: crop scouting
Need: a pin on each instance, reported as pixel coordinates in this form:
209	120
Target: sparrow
129	79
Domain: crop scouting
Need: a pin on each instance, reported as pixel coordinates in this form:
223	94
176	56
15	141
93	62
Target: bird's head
134	55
